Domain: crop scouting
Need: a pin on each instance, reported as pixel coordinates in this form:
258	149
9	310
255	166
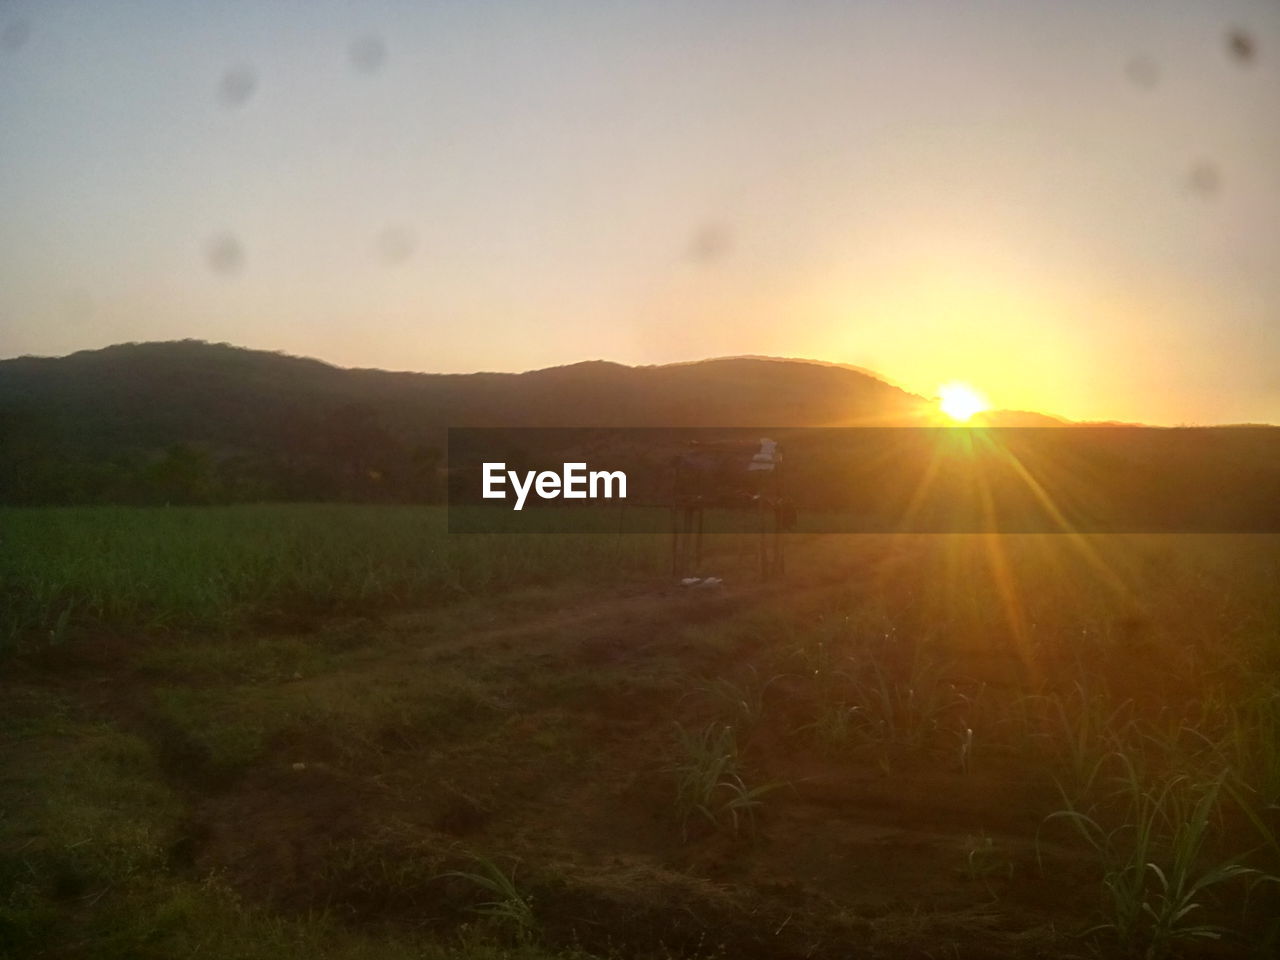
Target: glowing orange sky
1075	207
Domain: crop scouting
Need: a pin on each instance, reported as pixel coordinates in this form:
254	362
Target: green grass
88	822
216	568
170	664
1084	730
742	700
709	781
1155	869
509	908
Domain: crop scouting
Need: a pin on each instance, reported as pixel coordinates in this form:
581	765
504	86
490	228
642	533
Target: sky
1073	206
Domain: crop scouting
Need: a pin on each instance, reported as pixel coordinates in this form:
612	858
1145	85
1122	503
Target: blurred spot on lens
1142	72
1241	46
396	244
224	253
14	35
1205	179
710	243
237	86
367	54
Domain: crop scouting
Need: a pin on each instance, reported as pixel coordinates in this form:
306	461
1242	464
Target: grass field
326	731
213	569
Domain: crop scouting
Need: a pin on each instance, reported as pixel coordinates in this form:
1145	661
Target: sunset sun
959	401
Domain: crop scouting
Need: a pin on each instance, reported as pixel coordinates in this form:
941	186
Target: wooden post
697	544
778	541
675	541
764	543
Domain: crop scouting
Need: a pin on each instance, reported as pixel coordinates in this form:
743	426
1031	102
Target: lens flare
959	401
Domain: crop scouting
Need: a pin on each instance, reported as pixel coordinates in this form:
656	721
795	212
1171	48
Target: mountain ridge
28	362
192	421
175	420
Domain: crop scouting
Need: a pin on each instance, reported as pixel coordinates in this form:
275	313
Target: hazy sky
1073	205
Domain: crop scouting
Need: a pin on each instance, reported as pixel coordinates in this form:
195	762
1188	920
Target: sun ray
1077	540
960	402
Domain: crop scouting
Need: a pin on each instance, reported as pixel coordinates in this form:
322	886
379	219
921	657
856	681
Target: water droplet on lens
237	86
1241	45
14	35
710	242
1205	178
224	253
396	244
1143	72
367	53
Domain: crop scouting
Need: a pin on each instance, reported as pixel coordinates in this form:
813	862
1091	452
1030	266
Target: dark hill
192	420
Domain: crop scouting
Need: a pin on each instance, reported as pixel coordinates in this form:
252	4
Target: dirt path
537	729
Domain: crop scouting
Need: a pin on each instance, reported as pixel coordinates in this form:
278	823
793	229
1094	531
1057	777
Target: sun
959	401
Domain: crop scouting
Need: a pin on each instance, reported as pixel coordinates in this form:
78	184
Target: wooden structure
734	475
